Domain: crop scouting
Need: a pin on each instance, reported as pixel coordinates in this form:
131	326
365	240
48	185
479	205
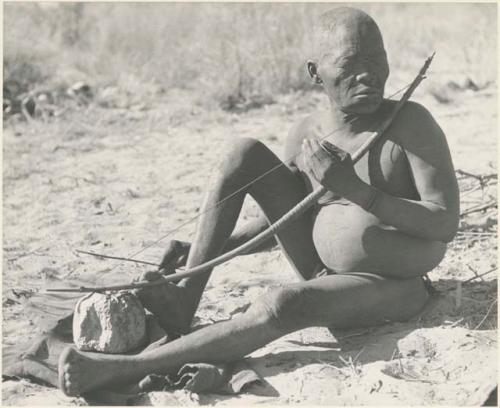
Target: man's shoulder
413	115
414	120
410	111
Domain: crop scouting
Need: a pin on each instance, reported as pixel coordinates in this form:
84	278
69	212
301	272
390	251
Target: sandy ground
116	180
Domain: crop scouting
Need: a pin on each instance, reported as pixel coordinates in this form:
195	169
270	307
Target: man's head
349	60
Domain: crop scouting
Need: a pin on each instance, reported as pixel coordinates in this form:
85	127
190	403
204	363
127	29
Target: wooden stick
480	276
480	178
480	208
116	257
285	220
486	315
476	233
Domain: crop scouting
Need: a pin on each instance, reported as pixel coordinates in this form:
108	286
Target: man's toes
72	383
68	365
72	389
70	368
71	356
71	379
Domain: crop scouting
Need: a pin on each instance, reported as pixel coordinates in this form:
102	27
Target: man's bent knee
283	309
414	296
244	151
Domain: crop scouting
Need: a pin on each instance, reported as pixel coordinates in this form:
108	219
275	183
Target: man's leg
335	301
276	193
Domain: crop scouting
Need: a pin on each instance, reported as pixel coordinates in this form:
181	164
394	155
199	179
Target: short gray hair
326	27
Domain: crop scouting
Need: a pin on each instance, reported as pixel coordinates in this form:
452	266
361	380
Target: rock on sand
110	322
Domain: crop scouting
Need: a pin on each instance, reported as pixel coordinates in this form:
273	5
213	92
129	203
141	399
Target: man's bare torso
347	238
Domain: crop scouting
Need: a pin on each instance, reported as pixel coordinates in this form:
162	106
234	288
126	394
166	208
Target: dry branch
480	276
479	208
486	315
481	178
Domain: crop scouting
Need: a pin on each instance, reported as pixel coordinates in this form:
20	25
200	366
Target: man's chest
385	166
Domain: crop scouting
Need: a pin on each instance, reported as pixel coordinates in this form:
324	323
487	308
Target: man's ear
312	68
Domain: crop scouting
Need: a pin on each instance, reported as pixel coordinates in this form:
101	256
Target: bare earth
116	180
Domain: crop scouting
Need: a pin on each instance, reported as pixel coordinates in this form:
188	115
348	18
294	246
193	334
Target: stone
111	322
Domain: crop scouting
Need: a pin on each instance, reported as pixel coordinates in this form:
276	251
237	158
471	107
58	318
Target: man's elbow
447	237
447	228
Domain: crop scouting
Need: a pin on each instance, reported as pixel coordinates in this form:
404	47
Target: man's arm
436	215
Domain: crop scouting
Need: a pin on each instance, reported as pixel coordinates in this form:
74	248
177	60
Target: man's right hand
175	256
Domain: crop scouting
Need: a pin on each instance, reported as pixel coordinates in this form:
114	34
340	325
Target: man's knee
243	152
413	297
283	308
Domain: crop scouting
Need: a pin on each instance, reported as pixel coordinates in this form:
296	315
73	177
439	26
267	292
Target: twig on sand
421	380
453	324
486	315
458	295
478	276
467	238
474	272
464	234
357	334
480	178
116	257
481	275
352	363
480	208
327	365
470	240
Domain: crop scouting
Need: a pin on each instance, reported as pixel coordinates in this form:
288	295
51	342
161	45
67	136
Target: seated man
360	254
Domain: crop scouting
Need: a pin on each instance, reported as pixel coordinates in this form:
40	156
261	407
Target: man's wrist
369	203
363	195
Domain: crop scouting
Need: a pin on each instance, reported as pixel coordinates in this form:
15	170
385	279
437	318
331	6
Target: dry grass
224	52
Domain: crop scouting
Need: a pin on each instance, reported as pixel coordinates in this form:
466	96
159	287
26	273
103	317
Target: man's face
354	70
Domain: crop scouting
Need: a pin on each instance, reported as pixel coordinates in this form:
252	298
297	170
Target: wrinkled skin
352	64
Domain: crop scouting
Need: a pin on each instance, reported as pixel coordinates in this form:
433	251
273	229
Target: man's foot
169	303
82	372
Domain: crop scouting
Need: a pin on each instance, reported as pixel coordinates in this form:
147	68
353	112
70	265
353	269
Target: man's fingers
305	151
335	151
314	143
330	147
181	260
319	151
307	159
170	257
311	148
309	170
316	153
308	154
